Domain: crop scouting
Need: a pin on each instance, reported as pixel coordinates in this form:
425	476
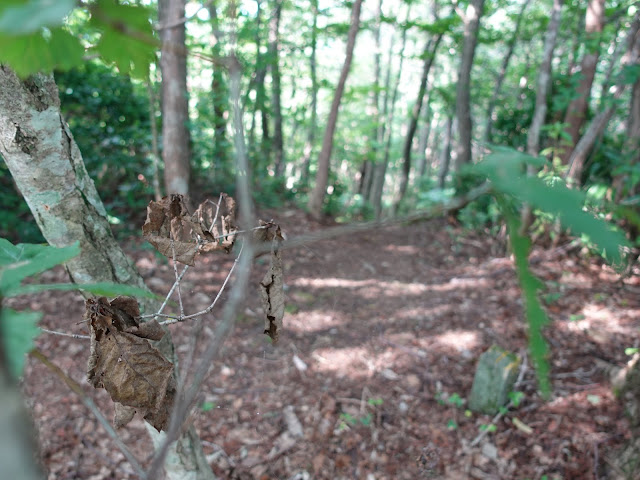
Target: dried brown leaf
272	290
172	230
123	361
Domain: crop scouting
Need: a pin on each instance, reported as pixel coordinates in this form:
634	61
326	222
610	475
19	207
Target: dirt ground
382	332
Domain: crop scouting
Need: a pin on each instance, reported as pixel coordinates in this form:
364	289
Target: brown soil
389	325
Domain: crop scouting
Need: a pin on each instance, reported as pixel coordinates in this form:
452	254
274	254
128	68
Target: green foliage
24	260
33	39
506	168
536	316
456	400
516	398
18	330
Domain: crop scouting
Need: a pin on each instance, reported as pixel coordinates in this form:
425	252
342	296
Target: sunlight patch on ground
598	317
391	288
459	339
353	362
406	249
311	321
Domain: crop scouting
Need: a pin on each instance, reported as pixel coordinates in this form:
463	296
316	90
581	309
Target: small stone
389	374
403	408
489	450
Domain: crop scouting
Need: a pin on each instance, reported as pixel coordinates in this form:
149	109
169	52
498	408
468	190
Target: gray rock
496	374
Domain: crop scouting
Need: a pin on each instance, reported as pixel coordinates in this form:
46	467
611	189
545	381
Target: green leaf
127	37
66	50
31	16
536	316
29	259
32	53
206	406
506	170
104	289
17	332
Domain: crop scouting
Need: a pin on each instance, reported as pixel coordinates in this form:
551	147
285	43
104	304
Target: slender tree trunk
219	94
47	166
429	52
599	122
446	153
316	198
577	110
542	90
175	102
155	151
503	72
471	20
380	169
423	139
374	138
274	66
311	135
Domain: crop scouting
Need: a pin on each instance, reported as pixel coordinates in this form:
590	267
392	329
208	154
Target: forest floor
382	332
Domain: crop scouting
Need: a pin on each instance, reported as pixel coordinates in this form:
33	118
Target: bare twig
182	318
88	401
62	334
175	270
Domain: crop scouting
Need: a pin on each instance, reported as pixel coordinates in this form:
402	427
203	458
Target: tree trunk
380	168
577	110
311	135
175	102
423	140
599	122
429	52
47	167
446	153
219	94
374	139
542	90
503	72
274	66
316	198
471	21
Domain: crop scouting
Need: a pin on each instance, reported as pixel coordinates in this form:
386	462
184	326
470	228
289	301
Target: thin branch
62	334
182	318
175	270
89	403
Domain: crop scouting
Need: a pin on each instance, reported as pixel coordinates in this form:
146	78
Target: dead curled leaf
272	288
124	363
171	229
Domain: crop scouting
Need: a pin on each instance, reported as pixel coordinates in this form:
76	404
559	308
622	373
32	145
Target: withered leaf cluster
272	284
171	229
124	363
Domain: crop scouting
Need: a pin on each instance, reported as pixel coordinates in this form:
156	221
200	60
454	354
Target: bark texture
274	66
47	166
600	121
577	110
316	199
175	101
463	92
429	53
311	134
542	90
